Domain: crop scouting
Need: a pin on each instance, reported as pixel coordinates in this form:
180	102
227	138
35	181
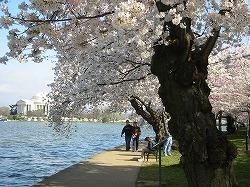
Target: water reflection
29	151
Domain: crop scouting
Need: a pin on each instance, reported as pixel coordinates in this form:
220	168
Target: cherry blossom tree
229	75
138	43
73	93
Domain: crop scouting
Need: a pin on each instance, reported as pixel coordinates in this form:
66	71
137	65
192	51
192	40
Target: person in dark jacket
136	132
127	129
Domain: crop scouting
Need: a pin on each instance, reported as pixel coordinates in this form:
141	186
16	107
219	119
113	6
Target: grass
242	162
173	175
242	170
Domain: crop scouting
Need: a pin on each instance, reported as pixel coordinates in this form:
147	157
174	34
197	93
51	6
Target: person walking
136	132
169	140
168	145
127	129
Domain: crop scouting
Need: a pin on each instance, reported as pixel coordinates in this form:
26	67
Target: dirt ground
114	168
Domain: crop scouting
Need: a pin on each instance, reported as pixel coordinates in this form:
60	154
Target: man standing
168	145
168	141
127	129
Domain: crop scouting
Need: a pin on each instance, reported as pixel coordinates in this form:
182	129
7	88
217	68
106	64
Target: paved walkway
116	168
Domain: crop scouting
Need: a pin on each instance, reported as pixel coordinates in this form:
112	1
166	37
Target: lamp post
159	147
247	130
160	171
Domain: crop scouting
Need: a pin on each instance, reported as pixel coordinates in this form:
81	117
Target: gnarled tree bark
151	116
181	67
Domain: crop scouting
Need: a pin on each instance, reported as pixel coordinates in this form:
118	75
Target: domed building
37	102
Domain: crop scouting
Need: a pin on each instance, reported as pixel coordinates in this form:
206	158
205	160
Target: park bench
155	153
151	152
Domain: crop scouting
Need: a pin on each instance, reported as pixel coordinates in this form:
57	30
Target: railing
247	128
159	148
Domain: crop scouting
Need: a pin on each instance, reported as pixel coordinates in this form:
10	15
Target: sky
22	80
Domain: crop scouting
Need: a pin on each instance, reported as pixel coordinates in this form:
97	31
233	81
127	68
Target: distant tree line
102	115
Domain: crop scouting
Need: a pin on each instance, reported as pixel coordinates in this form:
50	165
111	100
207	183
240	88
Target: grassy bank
173	175
242	162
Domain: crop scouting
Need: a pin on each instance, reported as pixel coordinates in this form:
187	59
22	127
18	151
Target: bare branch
133	62
126	73
125	80
147	106
209	44
138	104
60	20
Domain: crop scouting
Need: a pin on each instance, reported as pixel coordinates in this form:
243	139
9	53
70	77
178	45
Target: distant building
37	102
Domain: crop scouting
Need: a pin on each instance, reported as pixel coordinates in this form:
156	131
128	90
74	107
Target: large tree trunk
207	155
148	114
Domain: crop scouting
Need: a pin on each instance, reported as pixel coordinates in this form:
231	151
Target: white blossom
6	22
169	2
183	26
226	4
124	20
160	15
229	81
159	30
177	19
145	55
141	43
144	30
180	7
172	11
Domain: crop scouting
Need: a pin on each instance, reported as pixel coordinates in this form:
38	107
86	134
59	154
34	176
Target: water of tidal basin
29	151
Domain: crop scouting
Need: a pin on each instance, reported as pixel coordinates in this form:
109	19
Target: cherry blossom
108	51
229	75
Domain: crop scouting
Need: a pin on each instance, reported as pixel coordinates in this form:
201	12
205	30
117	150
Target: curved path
108	169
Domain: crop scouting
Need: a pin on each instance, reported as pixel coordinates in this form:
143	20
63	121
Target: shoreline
39	152
73	122
114	167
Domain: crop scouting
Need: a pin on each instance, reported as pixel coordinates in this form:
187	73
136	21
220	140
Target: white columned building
37	102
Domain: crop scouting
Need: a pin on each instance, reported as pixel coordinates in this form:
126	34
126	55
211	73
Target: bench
154	151
151	152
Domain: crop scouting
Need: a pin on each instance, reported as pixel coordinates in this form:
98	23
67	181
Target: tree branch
126	73
147	106
60	20
122	81
138	104
136	63
209	44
